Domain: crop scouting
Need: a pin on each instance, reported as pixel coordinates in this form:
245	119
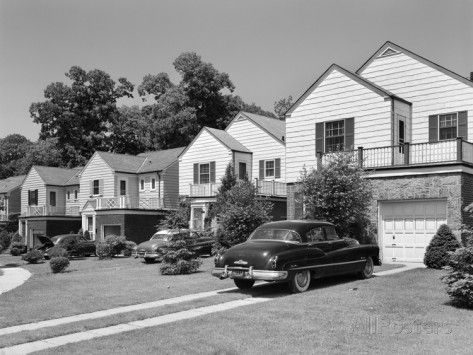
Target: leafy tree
281	106
178	219
338	193
153	86
129	131
13	148
437	252
43	152
79	115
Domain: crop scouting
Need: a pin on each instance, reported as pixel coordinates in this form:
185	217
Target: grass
402	313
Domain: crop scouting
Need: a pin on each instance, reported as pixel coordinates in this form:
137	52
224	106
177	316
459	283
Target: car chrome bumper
145	255
249	274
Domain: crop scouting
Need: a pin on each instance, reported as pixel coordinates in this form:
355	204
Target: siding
337	97
96	169
32	182
429	90
244	158
14	201
170	185
147	192
263	145
203	150
60	196
72	202
132	186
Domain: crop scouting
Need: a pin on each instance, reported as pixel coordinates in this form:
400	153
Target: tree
437	252
339	193
178	257
459	277
13	148
178	219
79	115
129	131
282	106
153	86
43	152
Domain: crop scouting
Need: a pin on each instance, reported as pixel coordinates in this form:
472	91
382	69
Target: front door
197	218
90	226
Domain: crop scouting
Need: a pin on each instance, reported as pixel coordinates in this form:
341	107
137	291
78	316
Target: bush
17	248
177	257
467	237
58	264
5	239
33	256
459	278
437	253
117	244
103	250
57	251
129	246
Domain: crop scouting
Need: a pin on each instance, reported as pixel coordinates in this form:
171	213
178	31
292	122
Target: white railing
435	152
3	217
126	202
32	211
204	190
271	188
72	210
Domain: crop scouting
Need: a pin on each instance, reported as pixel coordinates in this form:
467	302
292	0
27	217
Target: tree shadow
10	265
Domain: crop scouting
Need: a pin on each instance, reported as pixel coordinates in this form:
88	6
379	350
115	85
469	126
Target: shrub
86	235
5	239
467	237
58	264
117	244
17	238
103	250
17	248
33	256
179	218
57	251
437	256
129	246
459	277
177	258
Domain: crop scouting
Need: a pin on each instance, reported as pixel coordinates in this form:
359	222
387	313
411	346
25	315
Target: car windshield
285	235
161	237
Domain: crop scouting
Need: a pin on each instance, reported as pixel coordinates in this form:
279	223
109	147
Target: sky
270	48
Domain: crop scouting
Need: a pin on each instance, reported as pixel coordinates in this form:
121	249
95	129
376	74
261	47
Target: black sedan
74	244
295	252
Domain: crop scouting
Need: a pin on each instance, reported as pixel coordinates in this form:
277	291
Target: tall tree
80	115
281	106
13	148
128	134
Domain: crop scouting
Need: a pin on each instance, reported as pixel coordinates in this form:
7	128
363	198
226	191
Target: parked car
152	250
75	244
295	252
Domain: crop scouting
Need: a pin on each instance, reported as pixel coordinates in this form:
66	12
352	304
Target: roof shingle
274	126
227	140
57	176
11	183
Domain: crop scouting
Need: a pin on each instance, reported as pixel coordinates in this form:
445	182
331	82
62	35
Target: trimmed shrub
33	256
129	246
117	244
86	235
5	239
103	250
437	253
59	264
459	278
57	251
467	238
17	248
177	258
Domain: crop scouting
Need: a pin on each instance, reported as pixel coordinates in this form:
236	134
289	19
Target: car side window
293	237
331	233
315	235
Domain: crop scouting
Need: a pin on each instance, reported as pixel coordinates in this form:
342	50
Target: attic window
388	51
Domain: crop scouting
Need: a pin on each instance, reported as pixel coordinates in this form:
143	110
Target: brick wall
467	195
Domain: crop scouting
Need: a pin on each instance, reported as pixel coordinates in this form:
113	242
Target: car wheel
300	281
368	269
244	284
149	260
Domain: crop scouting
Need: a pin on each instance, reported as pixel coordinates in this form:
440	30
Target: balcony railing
72	210
32	211
419	154
204	190
271	188
126	202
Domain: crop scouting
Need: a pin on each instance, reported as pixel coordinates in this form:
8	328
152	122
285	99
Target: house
253	144
409	123
10	198
48	206
126	194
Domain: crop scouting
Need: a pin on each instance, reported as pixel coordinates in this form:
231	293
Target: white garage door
408	227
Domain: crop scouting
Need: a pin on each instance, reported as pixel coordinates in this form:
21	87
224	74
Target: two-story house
48	206
253	144
10	198
408	121
126	194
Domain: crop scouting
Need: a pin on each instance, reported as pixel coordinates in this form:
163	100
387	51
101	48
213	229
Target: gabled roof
359	79
159	160
11	183
421	59
227	140
56	176
274	126
74	180
124	163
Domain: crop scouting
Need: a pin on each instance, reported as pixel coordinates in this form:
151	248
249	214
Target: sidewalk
405	267
12	277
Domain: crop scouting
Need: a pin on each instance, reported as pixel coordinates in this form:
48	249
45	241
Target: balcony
126	202
204	190
266	188
33	211
419	154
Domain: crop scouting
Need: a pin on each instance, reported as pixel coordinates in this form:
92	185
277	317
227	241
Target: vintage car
75	244
295	252
152	250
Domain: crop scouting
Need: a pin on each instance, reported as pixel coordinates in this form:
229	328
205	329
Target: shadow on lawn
10	265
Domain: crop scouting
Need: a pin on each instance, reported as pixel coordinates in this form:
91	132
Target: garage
406	227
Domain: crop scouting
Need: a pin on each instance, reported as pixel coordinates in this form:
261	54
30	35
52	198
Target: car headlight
273	261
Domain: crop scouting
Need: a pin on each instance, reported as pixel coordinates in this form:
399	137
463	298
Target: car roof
299	226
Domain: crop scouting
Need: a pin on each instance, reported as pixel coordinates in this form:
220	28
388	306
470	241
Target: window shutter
319	137
212	172
349	133
29	197
101	187
277	169
36	197
433	128
261	169
196	174
463	124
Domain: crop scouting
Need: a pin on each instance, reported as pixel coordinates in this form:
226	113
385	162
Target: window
334	136
75	194
96	187
122	187
447	126
269	168
330	233
241	170
315	235
142	184
204	173
153	184
68	195
32	197
52	198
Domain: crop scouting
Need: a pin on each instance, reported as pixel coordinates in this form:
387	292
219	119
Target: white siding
148	192
203	150
263	145
96	169
32	182
170	185
60	196
336	98
131	185
430	91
